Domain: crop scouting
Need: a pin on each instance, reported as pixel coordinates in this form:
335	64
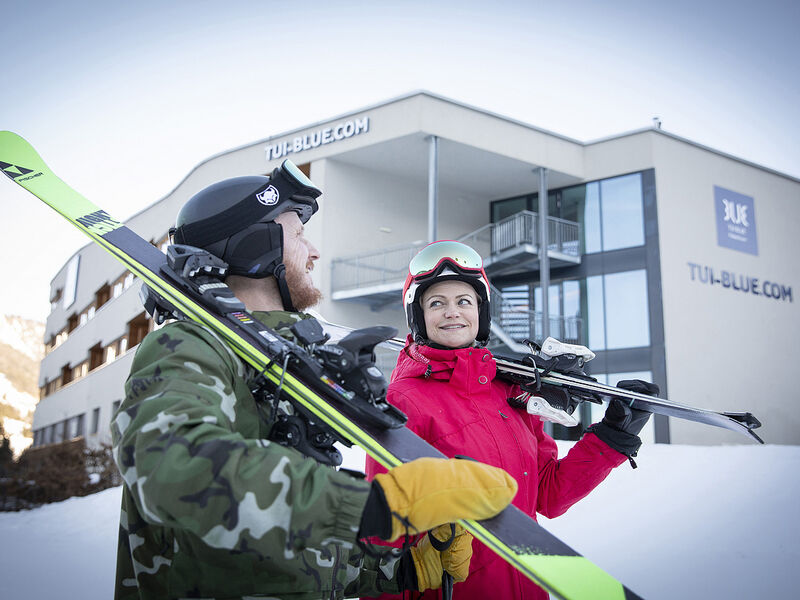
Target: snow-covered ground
690	522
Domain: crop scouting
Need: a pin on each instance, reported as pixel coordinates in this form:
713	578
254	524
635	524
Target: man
211	508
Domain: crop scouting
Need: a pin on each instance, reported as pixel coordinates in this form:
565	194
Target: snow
23	334
690	522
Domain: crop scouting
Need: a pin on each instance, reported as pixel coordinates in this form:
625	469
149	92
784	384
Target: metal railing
523	324
389	265
523	228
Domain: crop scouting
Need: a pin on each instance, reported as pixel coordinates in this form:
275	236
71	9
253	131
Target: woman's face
450	309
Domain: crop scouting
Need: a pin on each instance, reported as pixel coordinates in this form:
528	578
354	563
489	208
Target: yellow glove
429	562
427	492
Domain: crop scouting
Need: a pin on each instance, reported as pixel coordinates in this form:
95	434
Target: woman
445	382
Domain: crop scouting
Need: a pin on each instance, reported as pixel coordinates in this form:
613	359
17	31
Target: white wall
356	205
726	349
99	389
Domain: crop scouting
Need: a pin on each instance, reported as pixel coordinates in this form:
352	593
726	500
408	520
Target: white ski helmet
445	260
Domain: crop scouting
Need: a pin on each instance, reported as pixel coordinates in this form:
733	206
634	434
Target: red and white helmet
445	260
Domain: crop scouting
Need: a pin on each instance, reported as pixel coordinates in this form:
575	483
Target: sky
691	522
122	100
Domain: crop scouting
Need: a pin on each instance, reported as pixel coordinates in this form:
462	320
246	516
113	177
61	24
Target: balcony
508	246
512	244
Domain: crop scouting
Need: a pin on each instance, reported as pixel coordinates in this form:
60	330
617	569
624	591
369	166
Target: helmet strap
283	287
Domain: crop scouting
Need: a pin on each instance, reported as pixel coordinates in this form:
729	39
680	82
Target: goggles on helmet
442	261
431	260
296	178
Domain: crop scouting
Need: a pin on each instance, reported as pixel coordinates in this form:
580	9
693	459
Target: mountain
21	351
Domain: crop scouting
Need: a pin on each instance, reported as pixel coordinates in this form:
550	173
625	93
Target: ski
311	381
583	388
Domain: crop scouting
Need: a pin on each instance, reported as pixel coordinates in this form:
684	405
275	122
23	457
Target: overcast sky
122	100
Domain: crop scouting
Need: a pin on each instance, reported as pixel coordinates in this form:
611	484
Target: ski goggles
295	178
430	260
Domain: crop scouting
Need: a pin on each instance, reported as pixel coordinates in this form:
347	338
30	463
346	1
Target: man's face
299	256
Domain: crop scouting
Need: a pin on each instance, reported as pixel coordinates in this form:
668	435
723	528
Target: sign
740	283
736	221
327	135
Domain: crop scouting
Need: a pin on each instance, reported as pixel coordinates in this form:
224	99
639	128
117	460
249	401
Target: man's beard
304	294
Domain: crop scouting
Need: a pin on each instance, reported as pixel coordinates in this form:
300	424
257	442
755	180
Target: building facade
671	260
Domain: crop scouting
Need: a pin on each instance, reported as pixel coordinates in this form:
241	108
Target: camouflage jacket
210	508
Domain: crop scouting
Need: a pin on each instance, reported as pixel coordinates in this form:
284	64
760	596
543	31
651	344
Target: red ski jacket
453	401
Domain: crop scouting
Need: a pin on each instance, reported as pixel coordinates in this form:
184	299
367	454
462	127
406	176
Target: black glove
621	424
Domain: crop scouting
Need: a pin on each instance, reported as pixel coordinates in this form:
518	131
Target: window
618	311
95	356
505	208
117	289
78	429
592	235
610	211
66	374
623	213
95	420
102	296
137	329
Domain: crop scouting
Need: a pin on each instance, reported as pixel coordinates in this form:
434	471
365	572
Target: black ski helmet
234	219
445	260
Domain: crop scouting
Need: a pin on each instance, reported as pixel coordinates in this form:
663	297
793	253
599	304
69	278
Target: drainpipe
433	187
544	258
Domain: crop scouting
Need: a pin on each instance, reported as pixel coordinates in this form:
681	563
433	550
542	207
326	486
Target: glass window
79	425
622	212
95	420
592	236
572	311
505	208
627	321
595	317
618	313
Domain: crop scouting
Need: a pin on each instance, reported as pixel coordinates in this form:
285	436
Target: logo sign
320	137
736	221
16	171
269	197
